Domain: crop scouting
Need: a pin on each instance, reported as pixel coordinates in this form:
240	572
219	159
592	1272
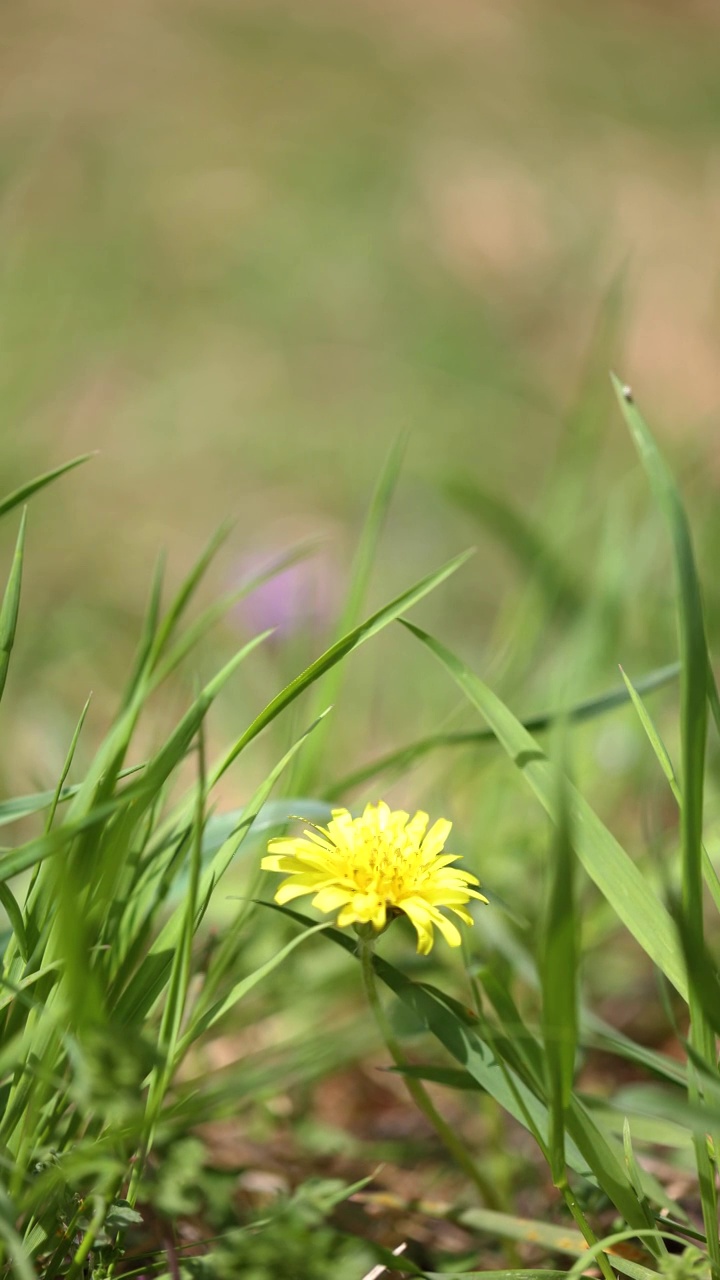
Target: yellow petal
295	887
449	931
419	916
331	897
434	841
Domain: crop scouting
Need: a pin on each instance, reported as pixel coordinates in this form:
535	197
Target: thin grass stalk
417	1092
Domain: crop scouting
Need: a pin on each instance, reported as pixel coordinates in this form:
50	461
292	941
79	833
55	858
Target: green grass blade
327	689
520	1273
21	495
656	742
372	625
663	757
605	861
12	910
694	687
11	605
242	988
24	806
694	678
195	632
142	988
404	757
67	765
558	966
185	593
151	623
456	1030
522	539
588	1151
13	861
20	1263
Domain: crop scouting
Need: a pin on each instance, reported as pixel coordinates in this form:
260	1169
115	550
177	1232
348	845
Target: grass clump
114	983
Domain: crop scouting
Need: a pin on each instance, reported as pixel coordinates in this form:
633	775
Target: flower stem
417	1090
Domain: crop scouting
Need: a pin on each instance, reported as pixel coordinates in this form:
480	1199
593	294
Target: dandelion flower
375	867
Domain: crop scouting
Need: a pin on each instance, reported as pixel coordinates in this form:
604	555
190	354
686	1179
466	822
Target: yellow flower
375	867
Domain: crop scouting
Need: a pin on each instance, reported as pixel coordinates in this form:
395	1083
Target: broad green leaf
605	861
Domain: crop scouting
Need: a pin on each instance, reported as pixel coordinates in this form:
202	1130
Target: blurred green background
244	245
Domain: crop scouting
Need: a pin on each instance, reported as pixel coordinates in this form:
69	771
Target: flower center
390	871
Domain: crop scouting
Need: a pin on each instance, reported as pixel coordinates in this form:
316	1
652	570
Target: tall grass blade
695	678
372	625
11	605
328	688
605	861
558	966
663	757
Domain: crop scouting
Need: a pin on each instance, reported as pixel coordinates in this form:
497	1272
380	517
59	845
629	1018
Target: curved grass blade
185	594
605	861
67	765
328	688
13	861
215	612
20	1263
522	539
711	876
370	627
404	757
694	664
24	806
145	986
11	605
695	675
241	989
26	491
11	907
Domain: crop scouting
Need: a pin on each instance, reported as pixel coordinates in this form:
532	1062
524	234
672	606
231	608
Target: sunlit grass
139	930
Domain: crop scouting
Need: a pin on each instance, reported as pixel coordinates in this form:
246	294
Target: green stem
416	1089
88	1240
586	1229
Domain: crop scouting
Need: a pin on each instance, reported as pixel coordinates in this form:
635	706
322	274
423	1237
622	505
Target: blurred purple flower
300	596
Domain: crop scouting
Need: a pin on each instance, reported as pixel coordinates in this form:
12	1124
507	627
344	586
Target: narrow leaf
26	491
605	861
11	605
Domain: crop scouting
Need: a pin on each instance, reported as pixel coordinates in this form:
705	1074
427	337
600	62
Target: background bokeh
244	245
